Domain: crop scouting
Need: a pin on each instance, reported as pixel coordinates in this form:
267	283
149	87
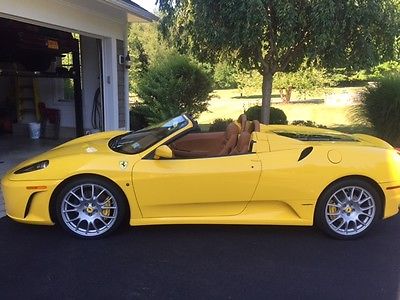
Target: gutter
133	9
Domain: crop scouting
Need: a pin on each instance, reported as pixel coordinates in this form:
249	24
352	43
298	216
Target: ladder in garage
27	98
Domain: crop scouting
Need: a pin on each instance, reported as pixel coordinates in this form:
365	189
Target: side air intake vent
305	153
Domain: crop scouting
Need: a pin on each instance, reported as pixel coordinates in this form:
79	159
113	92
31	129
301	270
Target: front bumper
26	204
392	198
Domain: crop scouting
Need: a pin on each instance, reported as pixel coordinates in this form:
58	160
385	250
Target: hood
91	144
94	138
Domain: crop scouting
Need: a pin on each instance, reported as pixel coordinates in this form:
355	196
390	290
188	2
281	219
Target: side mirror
163	152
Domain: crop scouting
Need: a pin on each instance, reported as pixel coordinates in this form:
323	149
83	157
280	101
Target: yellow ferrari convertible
172	173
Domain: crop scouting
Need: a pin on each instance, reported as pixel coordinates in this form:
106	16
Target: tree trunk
282	94
286	95
266	97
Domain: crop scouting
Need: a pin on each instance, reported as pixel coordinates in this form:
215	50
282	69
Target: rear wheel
348	209
90	207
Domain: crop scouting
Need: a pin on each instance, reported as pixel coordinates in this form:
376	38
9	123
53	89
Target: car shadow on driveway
199	261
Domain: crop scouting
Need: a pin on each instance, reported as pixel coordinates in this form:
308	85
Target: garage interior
50	77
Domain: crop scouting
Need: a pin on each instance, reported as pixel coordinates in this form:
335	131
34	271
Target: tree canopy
277	35
146	48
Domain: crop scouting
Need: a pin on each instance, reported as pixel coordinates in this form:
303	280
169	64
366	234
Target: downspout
126	78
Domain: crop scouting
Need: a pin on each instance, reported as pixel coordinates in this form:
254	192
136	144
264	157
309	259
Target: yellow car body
270	185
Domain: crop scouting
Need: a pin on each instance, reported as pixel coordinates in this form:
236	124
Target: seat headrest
252	126
249	127
242	121
256	126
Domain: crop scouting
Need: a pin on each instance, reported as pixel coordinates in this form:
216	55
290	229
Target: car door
217	186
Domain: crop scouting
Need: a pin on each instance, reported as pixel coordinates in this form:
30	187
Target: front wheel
90	207
348	209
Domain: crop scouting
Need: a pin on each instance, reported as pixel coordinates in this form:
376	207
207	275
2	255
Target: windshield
137	141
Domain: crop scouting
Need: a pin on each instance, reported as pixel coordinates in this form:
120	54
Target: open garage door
40	80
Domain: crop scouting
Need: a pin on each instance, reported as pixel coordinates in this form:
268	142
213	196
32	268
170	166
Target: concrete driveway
14	150
199	262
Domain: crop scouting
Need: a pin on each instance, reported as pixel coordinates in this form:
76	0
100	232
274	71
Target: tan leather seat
232	133
243	143
188	147
231	138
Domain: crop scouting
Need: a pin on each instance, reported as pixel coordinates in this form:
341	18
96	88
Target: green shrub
224	76
383	70
386	69
277	116
219	125
253	113
307	123
137	117
172	86
380	108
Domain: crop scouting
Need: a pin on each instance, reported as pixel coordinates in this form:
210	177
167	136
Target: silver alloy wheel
350	210
89	209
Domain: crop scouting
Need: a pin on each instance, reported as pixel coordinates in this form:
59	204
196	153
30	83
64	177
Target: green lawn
324	108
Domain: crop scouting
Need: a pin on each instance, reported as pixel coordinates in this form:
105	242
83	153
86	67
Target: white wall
52	94
110	79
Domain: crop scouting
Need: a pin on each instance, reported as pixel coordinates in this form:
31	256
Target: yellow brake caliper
106	211
332	210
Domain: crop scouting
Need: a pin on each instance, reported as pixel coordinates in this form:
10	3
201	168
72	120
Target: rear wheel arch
365	179
349	207
57	190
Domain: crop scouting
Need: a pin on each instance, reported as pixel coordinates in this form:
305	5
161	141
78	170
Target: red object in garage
6	125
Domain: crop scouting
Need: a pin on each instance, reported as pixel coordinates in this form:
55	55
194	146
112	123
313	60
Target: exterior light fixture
128	61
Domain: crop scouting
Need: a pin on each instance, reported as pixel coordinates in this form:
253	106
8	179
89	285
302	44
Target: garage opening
49	77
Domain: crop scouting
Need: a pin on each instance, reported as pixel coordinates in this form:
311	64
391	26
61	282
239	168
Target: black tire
99	212
345	217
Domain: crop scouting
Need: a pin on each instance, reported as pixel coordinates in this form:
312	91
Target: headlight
33	167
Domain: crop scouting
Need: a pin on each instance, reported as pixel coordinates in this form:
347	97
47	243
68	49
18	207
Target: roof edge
133	8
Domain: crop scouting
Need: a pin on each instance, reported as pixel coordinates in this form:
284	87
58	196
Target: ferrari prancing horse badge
123	164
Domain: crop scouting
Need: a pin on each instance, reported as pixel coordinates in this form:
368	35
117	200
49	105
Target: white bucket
34	130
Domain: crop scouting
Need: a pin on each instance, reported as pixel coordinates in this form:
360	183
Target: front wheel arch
52	205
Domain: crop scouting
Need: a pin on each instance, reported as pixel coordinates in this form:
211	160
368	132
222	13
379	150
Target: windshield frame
187	126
